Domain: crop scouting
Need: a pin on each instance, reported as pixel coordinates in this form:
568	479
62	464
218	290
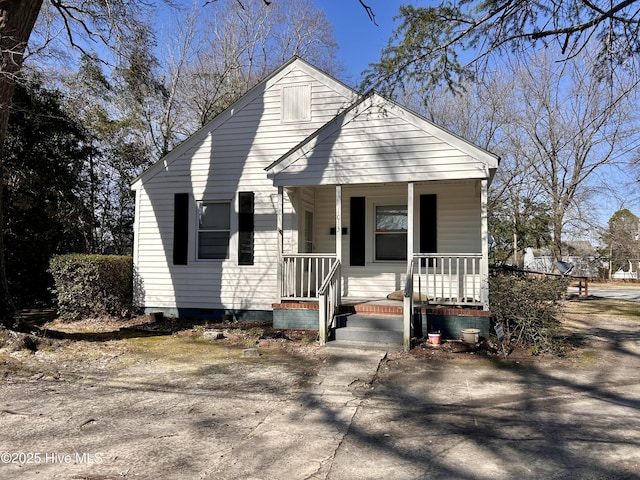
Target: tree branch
369	11
608	14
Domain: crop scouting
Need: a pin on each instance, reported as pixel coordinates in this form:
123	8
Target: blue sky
359	40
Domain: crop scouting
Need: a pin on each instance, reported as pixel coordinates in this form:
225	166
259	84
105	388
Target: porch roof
377	141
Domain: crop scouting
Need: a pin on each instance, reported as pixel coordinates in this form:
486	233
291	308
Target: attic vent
296	103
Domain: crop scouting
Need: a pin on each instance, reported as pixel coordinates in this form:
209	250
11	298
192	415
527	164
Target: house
303	195
579	253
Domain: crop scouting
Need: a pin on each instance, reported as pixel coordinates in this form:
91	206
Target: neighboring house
579	253
631	273
304	188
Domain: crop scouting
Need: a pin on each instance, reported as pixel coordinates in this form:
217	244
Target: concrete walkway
301	440
489	419
368	416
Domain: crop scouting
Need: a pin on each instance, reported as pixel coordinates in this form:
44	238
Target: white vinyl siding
227	156
381	143
371	154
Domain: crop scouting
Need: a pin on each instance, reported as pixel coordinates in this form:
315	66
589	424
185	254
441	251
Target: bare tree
481	113
560	133
566	127
237	45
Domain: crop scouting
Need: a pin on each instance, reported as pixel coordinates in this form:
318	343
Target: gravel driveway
187	408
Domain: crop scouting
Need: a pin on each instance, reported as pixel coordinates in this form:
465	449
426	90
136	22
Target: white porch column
410	226
338	297
339	223
408	300
280	237
484	263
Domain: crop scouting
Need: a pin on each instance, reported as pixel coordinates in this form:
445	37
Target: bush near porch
527	309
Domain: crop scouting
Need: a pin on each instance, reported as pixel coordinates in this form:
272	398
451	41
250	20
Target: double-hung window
391	232
214	230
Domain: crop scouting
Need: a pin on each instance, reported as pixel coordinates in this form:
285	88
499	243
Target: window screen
214	230
391	232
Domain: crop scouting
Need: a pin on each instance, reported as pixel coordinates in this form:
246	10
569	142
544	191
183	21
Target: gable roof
295	63
377	140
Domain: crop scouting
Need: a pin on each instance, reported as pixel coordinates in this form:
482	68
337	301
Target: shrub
92	285
527	308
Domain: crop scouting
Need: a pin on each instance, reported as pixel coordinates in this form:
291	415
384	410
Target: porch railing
304	273
449	279
329	301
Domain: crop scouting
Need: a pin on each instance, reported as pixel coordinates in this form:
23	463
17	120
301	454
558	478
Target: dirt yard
104	400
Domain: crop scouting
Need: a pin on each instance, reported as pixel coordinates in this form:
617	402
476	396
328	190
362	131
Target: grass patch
586	357
603	308
184	349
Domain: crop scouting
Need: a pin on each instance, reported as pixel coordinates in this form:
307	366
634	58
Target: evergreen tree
45	213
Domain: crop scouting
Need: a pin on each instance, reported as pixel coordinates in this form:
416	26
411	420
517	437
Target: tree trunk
557	236
17	18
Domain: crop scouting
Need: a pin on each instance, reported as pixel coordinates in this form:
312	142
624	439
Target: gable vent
296	103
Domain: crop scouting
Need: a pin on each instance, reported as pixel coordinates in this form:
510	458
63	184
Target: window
296	103
391	232
214	230
308	231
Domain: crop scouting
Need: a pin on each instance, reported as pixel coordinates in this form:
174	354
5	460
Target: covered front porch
350	251
379	201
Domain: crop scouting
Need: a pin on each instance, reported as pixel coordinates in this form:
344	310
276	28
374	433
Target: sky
359	40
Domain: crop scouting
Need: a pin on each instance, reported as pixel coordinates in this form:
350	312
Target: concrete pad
336	415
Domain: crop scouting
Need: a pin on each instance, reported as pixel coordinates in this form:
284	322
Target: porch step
350	345
359	329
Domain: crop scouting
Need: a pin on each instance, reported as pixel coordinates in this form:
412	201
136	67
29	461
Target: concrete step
370	329
373	346
380	322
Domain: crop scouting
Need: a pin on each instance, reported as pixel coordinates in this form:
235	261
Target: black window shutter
181	229
428	224
245	228
357	235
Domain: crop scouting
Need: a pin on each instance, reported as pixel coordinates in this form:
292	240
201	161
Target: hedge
88	286
527	309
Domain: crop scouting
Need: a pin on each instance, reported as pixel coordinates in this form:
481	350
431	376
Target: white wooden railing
303	274
443	279
449	279
329	299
